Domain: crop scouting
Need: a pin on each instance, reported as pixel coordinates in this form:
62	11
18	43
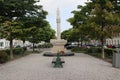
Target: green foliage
11	29
97	51
80	16
79	49
3	57
46	45
69	35
95	19
96	54
17	51
46	33
32	52
109	52
35	51
104	15
94	50
24	49
41	34
19	8
21	19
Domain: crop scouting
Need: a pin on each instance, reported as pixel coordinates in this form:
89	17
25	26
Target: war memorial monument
58	44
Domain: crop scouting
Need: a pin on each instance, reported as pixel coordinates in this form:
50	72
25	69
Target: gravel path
78	67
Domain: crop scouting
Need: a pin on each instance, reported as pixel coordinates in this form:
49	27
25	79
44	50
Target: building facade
113	41
4	44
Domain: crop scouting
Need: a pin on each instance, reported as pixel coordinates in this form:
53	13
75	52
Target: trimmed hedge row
95	51
79	49
47	45
98	51
4	54
16	51
3	57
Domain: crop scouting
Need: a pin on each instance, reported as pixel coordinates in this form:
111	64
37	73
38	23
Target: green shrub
94	50
109	52
16	51
7	51
97	51
3	57
46	45
36	51
96	54
40	46
24	48
78	49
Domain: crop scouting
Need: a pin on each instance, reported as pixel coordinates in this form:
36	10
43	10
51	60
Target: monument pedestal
58	45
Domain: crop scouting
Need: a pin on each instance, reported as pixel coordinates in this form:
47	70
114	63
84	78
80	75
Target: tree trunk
102	40
103	52
23	43
33	47
81	43
11	49
81	40
78	43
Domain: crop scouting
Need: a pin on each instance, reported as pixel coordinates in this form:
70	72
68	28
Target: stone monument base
58	47
53	54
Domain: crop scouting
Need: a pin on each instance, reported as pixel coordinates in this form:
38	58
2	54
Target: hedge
3	56
79	49
17	51
47	45
108	51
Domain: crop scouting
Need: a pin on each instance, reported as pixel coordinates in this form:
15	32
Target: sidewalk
78	67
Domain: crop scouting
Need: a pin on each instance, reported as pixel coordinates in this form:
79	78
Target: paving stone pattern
78	67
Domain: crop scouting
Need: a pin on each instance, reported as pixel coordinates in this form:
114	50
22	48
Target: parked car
70	46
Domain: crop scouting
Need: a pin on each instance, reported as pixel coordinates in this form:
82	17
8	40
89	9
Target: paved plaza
78	67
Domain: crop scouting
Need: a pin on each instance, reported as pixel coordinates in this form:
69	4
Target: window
1	44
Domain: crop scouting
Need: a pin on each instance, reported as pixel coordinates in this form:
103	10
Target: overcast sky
65	6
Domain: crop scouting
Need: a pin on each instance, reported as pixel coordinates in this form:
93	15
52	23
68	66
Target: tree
47	33
12	8
103	13
94	19
31	28
80	22
41	34
81	15
67	34
11	30
12	11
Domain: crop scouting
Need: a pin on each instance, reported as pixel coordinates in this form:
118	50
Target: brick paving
78	67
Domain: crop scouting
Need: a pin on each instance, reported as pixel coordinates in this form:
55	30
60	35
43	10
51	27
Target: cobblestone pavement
78	67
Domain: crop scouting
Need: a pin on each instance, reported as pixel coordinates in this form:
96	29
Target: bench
54	60
58	62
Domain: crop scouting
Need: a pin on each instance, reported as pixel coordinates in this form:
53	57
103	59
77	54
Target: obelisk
58	24
58	44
